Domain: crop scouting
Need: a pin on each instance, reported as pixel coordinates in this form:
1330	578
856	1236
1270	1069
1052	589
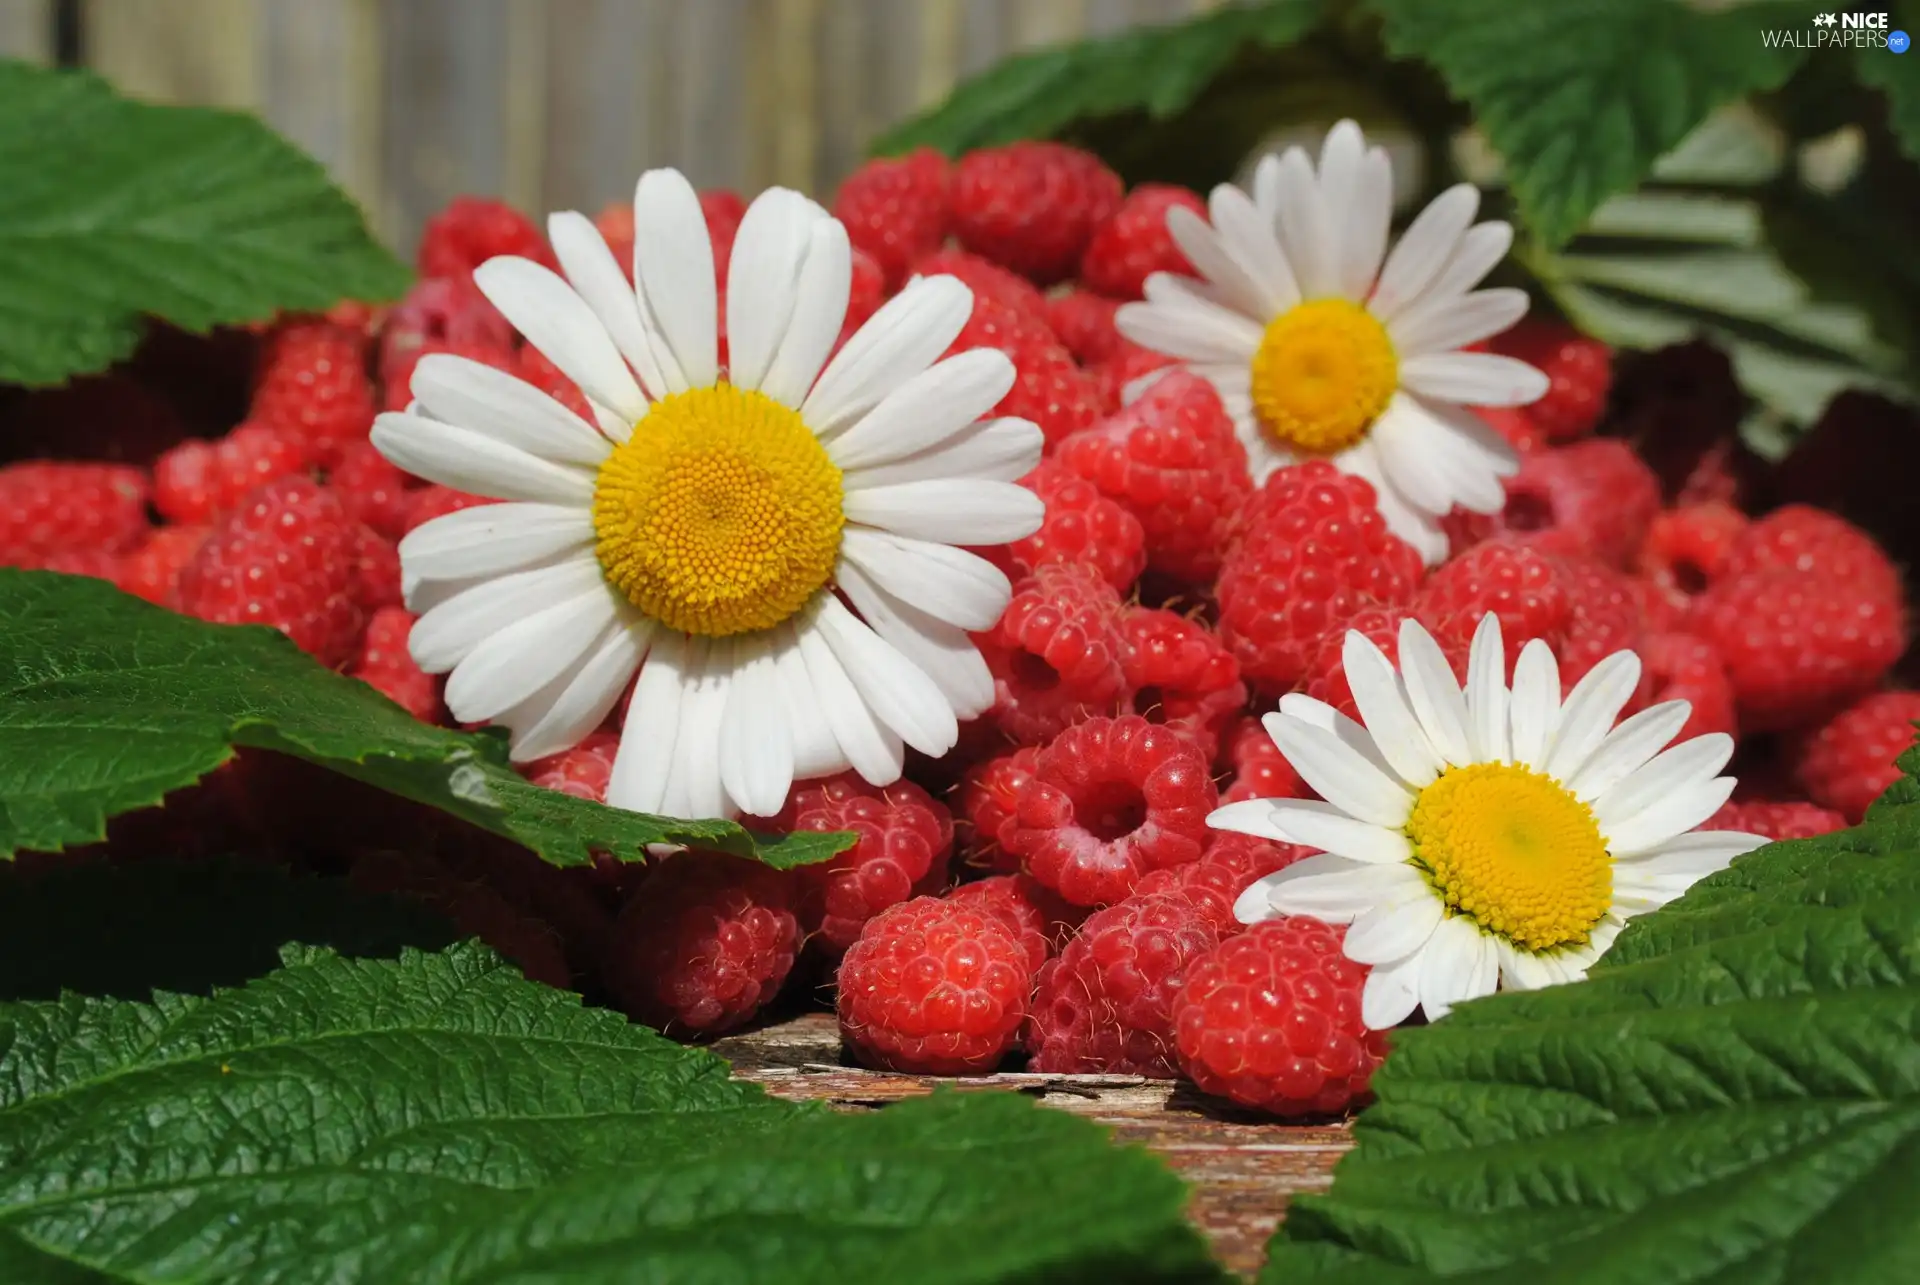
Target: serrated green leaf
1580	97
108	703
1733	1095
113	210
1895	76
1155	70
438	1120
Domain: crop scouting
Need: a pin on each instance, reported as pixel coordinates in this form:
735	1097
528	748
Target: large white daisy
1318	349
771	544
1498	837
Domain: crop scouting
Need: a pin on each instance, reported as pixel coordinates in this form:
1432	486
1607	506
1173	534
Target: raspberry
1105	1004
1032	207
1180	675
439	310
284	557
582	771
1799	537
385	664
614	223
905	839
371	488
1776	820
1048	388
95	564
1687	548
537	369
1579	375
376	570
1848	761
313	382
1594	498
398	392
935	987
1326	678
436	501
705	942
474	908
1134	242
990	801
1055	652
1172	458
866	292
49	507
1270	1018
1229	865
1081	525
723	210
1260	770
895	210
197	481
152	571
1516	426
986	280
1121	368
1034	915
1583	610
1603	616
473	229
1314	551
1084	322
1111	799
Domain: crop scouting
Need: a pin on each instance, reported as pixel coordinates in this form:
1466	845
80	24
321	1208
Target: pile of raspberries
1050	890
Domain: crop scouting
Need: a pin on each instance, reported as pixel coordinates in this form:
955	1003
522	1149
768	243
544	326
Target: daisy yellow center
1324	372
721	515
1511	850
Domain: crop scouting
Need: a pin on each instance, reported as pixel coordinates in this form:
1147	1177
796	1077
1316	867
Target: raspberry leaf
1731	1095
196	216
1893	76
437	1118
108	703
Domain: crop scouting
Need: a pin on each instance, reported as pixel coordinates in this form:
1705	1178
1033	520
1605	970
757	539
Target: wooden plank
26	30
604	100
708	139
177	51
320	86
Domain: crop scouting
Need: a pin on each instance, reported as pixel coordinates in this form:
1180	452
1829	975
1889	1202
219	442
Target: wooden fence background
559	104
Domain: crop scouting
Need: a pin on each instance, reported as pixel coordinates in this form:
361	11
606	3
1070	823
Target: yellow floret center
721	515
1514	852
1324	372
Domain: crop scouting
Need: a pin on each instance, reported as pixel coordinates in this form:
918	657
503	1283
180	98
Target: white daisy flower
772	546
1318	349
1498	837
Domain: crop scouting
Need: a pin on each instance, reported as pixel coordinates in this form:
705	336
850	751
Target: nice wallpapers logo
1845	31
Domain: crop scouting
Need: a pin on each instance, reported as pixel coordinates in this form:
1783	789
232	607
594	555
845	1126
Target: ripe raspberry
1603	616
1230	864
582	771
371	488
1593	498
614	223
1084	322
397	391
1127	363
905	839
439	310
1172	458
1579	372
1326	677
436	501
1799	537
1111	799
376	570
1848	761
1680	666
1032	207
473	229
866	292
95	564
1081	525
197	481
935	987
1105	1004
1314	550
152	571
1181	675
990	802
385	664
1776	820
1134	242
1260	770
1270	1018
313	382
723	209
986	280
1055	653
49	506
1686	550
1033	914
1048	388
474	908
1516	426
284	557
705	941
895	209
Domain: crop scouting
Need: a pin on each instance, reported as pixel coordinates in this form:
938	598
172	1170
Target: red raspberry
1084	322
1520	585
537	369
1270	1018
1134	242
614	223
1314	551
990	802
1603	616
286	558
1105	1004
1032	207
704	943
986	280
1055	653
1180	675
1579	372
1125	364
474	908
1034	910
723	210
1776	820
152	571
1592	498
1230	864
866	292
473	229
397	394
385	664
1687	548
1848	761
1260	770
436	501
582	771
1111	799
313	382
439	310
1326	678
1516	426
1799	537
935	987
49	506
95	564
1081	525
1172	458
197	481
905	839
1679	666
1048	388
371	488
895	209
376	570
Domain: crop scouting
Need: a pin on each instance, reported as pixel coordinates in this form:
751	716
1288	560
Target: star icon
1825	20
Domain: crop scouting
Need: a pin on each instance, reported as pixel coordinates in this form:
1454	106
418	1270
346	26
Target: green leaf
1581	96
112	210
108	703
1732	1096
439	1120
1893	75
1157	70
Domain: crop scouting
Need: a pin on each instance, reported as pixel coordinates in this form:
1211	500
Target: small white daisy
1499	837
1318	349
771	545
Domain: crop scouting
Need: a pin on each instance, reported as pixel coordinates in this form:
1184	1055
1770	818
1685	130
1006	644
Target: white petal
1590	710
1452	323
696	790
1248	816
1474	378
1410	451
1417	527
949	584
1688	856
1340	774
949	511
1447	968
1177	319
561	715
815	751
1683	766
870	748
1383	707
1207	250
756	746
652	732
903	338
991	450
1424	251
674	272
1366	225
1670	816
1627	747
1485	976
763	280
1392	993
1316	824
1434	693
1324	716
514	663
1395	929
474	396
445	635
1305	229
1487	692
476	463
945	653
926	410
1522	970
898	692
819	312
1536	704
491	539
1481	248
557	321
593	271
1266	187
1250	240
1334	890
1469	456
